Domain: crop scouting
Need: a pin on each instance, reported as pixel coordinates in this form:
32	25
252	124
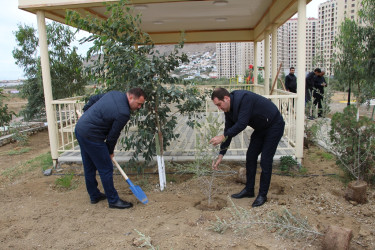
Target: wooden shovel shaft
120	169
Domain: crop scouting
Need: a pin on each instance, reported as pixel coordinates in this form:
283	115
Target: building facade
233	58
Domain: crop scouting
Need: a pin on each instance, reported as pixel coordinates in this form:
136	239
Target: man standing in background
319	84
310	84
291	81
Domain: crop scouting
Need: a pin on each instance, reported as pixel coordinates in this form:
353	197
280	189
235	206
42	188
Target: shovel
137	190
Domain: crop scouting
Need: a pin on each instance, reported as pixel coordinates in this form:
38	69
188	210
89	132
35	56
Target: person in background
310	84
244	108
319	85
291	81
97	132
309	88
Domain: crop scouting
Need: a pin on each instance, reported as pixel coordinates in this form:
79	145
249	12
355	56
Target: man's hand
217	140
111	155
216	163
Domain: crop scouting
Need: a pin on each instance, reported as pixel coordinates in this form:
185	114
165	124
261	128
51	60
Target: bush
353	142
288	164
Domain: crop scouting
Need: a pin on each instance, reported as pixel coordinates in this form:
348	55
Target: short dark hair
317	70
219	93
137	92
291	68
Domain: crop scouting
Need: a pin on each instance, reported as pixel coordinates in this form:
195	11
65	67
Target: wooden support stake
275	80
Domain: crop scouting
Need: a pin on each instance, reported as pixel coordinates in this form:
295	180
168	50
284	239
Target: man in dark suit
244	108
310	84
97	132
291	81
319	85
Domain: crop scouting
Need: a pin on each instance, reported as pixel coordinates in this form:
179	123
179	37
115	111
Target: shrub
353	142
288	164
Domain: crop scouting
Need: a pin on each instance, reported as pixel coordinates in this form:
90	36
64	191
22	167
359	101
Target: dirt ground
35	214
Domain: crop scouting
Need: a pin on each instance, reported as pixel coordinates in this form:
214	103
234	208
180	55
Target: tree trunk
357	191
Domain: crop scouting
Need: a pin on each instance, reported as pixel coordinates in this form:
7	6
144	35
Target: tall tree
127	58
66	66
367	15
355	58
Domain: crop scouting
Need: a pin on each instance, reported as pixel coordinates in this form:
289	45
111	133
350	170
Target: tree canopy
355	63
66	66
127	58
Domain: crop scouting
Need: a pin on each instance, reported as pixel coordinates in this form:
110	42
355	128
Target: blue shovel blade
138	192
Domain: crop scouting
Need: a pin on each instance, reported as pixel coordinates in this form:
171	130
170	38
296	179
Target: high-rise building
327	30
331	14
233	58
227	59
311	31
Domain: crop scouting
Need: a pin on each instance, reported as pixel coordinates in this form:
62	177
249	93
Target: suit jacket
105	117
310	80
248	109
291	83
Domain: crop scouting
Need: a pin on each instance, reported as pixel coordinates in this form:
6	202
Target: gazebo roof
203	21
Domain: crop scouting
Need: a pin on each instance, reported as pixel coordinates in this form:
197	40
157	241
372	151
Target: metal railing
66	118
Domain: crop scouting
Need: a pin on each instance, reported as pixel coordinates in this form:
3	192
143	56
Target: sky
11	16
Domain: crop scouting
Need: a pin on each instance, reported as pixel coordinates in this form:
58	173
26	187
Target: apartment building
320	36
311	32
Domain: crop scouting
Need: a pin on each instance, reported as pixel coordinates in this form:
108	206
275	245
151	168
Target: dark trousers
265	142
318	101
95	156
308	93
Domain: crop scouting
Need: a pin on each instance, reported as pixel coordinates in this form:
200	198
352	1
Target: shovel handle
120	169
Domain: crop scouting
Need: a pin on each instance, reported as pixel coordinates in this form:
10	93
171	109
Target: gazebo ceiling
202	21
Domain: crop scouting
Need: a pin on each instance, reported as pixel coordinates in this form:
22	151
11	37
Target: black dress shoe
120	204
259	201
243	194
99	198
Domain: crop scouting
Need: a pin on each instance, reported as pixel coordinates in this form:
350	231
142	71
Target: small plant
288	163
303	170
145	241
21	138
328	156
285	223
219	226
65	181
290	225
5	114
206	153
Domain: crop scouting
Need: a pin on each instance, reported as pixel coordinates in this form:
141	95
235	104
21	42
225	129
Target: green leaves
354	143
355	65
127	58
65	66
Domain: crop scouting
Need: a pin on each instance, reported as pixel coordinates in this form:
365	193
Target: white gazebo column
47	87
301	62
267	64
255	72
274	53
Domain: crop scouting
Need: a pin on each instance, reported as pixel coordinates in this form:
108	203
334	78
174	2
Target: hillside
189	48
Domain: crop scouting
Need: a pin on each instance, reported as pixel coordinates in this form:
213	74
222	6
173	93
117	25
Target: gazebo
202	21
